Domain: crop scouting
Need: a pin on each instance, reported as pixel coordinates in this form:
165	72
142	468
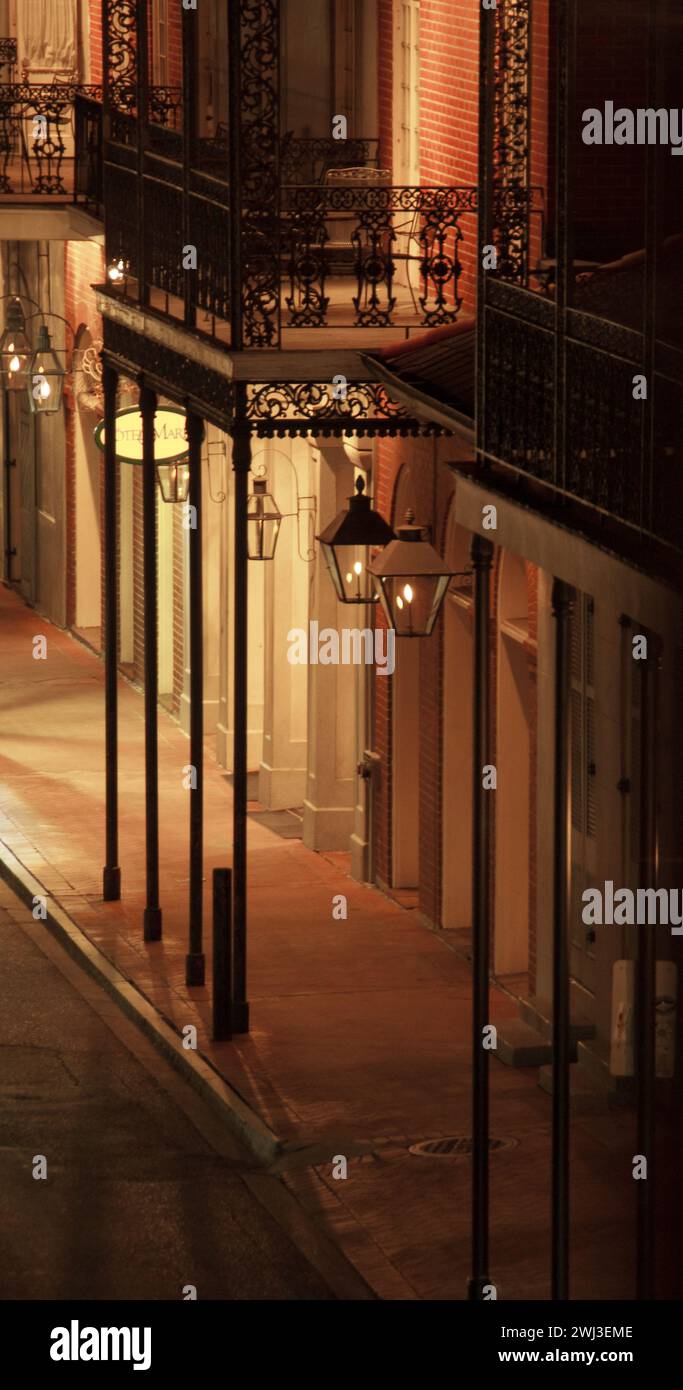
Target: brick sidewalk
360	1028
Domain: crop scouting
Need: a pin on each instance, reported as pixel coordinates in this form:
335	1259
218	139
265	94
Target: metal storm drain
455	1147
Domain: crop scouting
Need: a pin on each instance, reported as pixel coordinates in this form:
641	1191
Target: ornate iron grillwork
604	427
380	221
210	232
89	154
120	55
305	160
291	408
259	144
163	211
511	135
519	368
33	120
8	54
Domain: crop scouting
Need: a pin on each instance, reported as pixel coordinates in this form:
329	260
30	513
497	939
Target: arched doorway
511	943
456	818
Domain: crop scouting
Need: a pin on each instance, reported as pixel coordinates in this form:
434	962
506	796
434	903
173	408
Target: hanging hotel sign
170	442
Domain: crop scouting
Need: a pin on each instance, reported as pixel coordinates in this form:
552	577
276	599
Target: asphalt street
137	1202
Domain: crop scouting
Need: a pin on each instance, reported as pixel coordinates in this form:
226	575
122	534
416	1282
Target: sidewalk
360	1028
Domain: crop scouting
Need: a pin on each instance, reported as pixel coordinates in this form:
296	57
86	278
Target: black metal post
562	608
241	458
7	464
646	967
222	954
111	884
482	556
152	917
194	963
142	79
189	21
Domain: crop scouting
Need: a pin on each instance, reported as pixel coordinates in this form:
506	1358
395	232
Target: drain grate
455	1146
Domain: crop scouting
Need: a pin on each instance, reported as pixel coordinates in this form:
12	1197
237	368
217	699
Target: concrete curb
240	1119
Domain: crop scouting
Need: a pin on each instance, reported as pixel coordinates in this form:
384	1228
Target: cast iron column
646	967
194	964
482	556
562	608
152	918
111	878
241	458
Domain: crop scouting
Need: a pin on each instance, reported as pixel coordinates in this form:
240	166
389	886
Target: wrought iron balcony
51	142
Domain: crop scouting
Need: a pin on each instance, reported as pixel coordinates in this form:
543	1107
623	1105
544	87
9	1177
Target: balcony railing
51	141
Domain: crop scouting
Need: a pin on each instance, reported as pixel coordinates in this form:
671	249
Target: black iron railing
38	137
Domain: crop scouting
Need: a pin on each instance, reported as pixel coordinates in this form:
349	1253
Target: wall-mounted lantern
263	522
45	377
345	543
15	348
410	581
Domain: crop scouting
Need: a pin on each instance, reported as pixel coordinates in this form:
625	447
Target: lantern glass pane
174	481
412	602
263	526
348	567
15	351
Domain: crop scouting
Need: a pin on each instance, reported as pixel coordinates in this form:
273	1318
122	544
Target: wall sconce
263	522
45	377
345	543
174	480
410	580
15	348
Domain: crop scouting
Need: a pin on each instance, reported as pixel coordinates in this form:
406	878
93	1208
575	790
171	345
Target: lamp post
15	348
45	377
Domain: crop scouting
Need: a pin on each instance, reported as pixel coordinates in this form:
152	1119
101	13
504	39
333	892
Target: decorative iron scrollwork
33	119
512	88
294	408
259	142
121	55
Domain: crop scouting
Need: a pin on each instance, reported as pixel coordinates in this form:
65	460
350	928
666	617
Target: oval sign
170	443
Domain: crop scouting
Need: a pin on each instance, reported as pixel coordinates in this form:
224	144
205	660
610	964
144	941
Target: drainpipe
482	556
563	599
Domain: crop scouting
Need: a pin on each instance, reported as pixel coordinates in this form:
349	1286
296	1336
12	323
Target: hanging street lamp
15	348
263	522
45	377
345	543
410	581
174	481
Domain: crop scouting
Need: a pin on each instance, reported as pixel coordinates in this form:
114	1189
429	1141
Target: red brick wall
95	18
449	115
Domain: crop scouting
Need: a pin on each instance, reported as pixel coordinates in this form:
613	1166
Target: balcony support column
152	914
241	462
111	879
646	968
563	598
482	557
194	962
